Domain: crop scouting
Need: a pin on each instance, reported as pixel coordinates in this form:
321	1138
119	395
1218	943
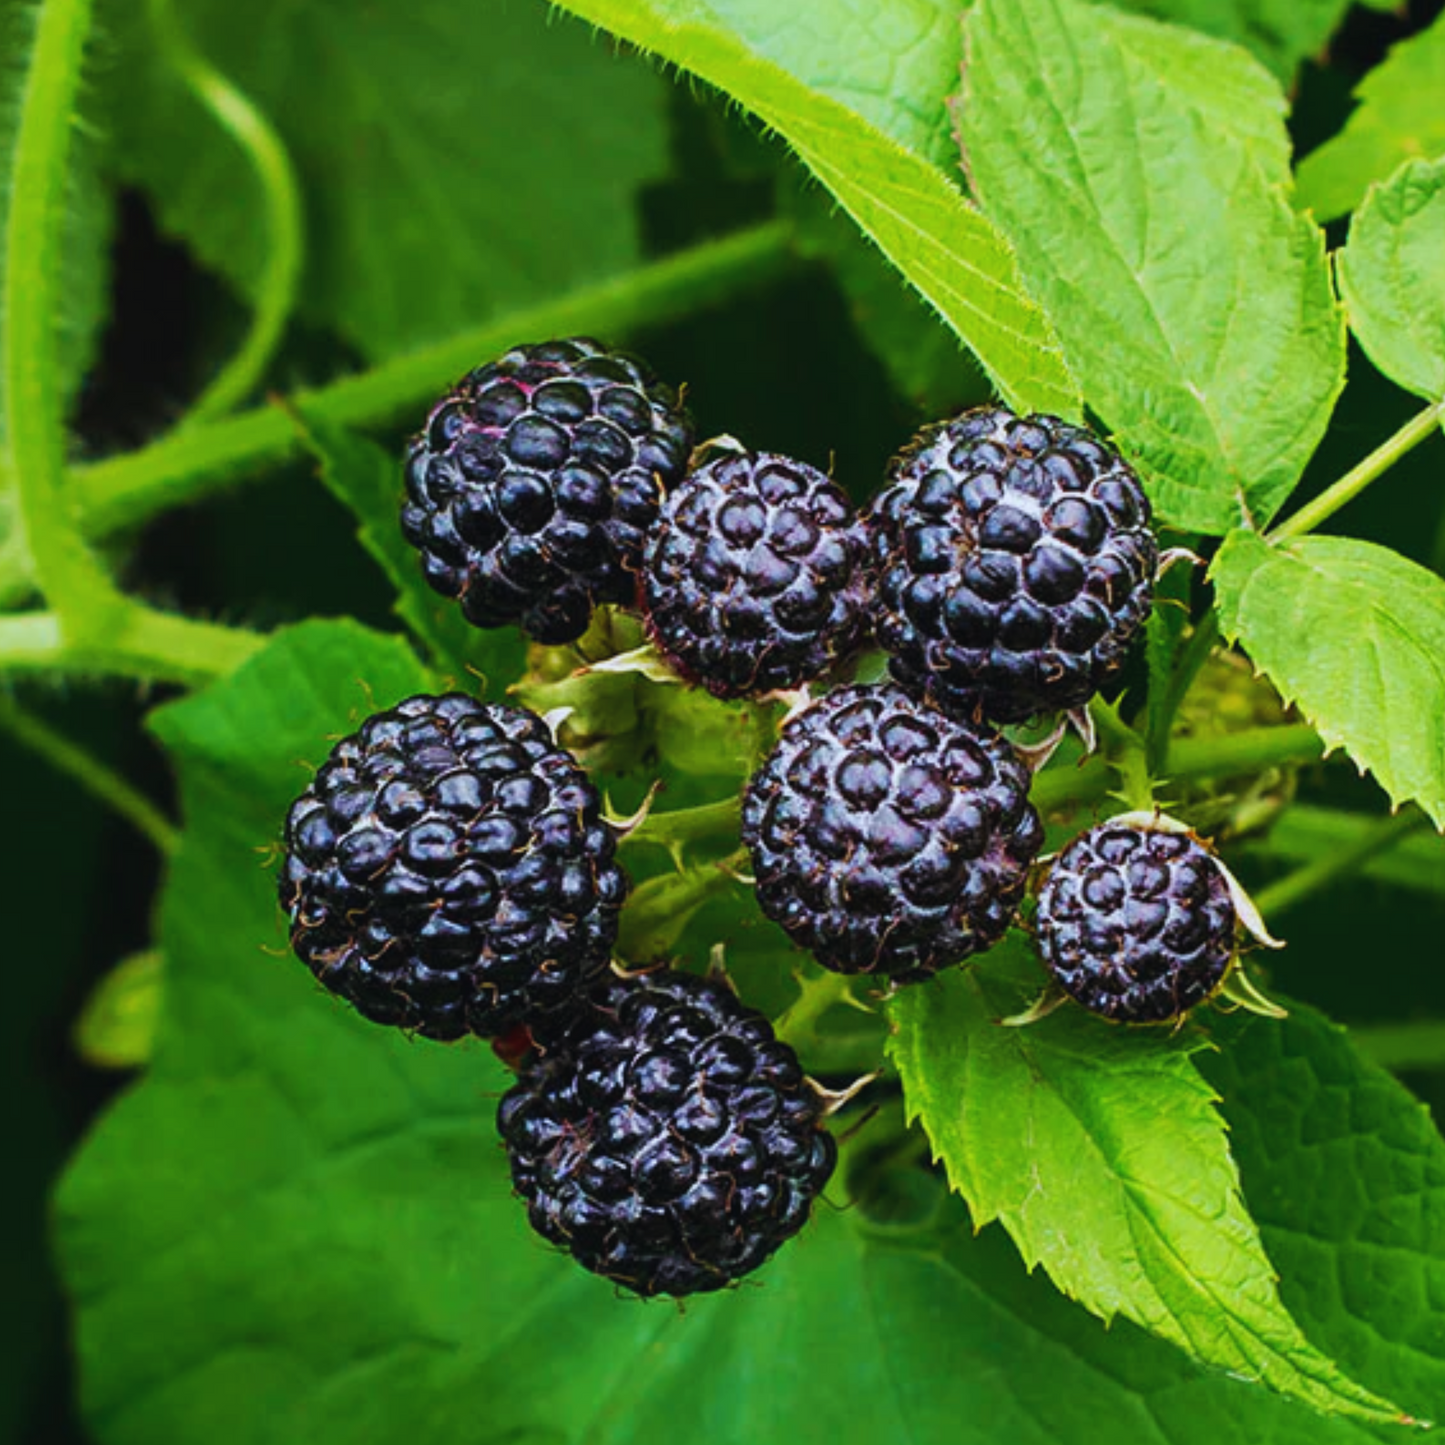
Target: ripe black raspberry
448	870
755	578
888	837
666	1138
532	486
1015	564
1136	924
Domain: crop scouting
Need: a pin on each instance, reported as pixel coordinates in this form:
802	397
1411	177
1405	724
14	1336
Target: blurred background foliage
530	129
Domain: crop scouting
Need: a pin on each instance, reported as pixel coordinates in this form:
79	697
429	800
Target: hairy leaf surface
858	89
1345	1171
1392	277
1141	173
1354	635
1053	1129
1399	118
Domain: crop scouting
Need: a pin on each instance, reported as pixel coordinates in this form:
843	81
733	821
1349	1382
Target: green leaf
256	733
1392	277
247	747
1141	174
457	162
299	1226
1280	33
367	480
856	87
1053	1128
1414	1044
1399	118
1354	635
1346	1175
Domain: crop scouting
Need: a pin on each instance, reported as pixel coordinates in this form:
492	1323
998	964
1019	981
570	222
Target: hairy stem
281	206
129	489
147	646
1127	756
675	828
47	536
1250	751
96	777
1195	655
1338	863
1349	486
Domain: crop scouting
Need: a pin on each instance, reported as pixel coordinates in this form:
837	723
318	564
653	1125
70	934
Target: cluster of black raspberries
449	870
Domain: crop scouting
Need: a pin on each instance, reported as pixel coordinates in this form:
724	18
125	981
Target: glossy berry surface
665	1138
530	490
1015	563
448	870
756	575
1136	924
887	837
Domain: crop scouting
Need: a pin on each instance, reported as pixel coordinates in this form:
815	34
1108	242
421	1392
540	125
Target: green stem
145	645
1402	1046
1250	751
281	203
1196	654
1127	755
100	780
1359	477
130	489
1339	863
69	576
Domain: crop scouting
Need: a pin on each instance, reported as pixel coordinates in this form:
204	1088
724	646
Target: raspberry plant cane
293	1223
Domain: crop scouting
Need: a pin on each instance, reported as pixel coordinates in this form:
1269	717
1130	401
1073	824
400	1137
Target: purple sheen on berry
1135	923
756	576
665	1137
1015	564
529	488
887	837
445	871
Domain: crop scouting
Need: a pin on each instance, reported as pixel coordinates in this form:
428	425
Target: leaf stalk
1349	486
